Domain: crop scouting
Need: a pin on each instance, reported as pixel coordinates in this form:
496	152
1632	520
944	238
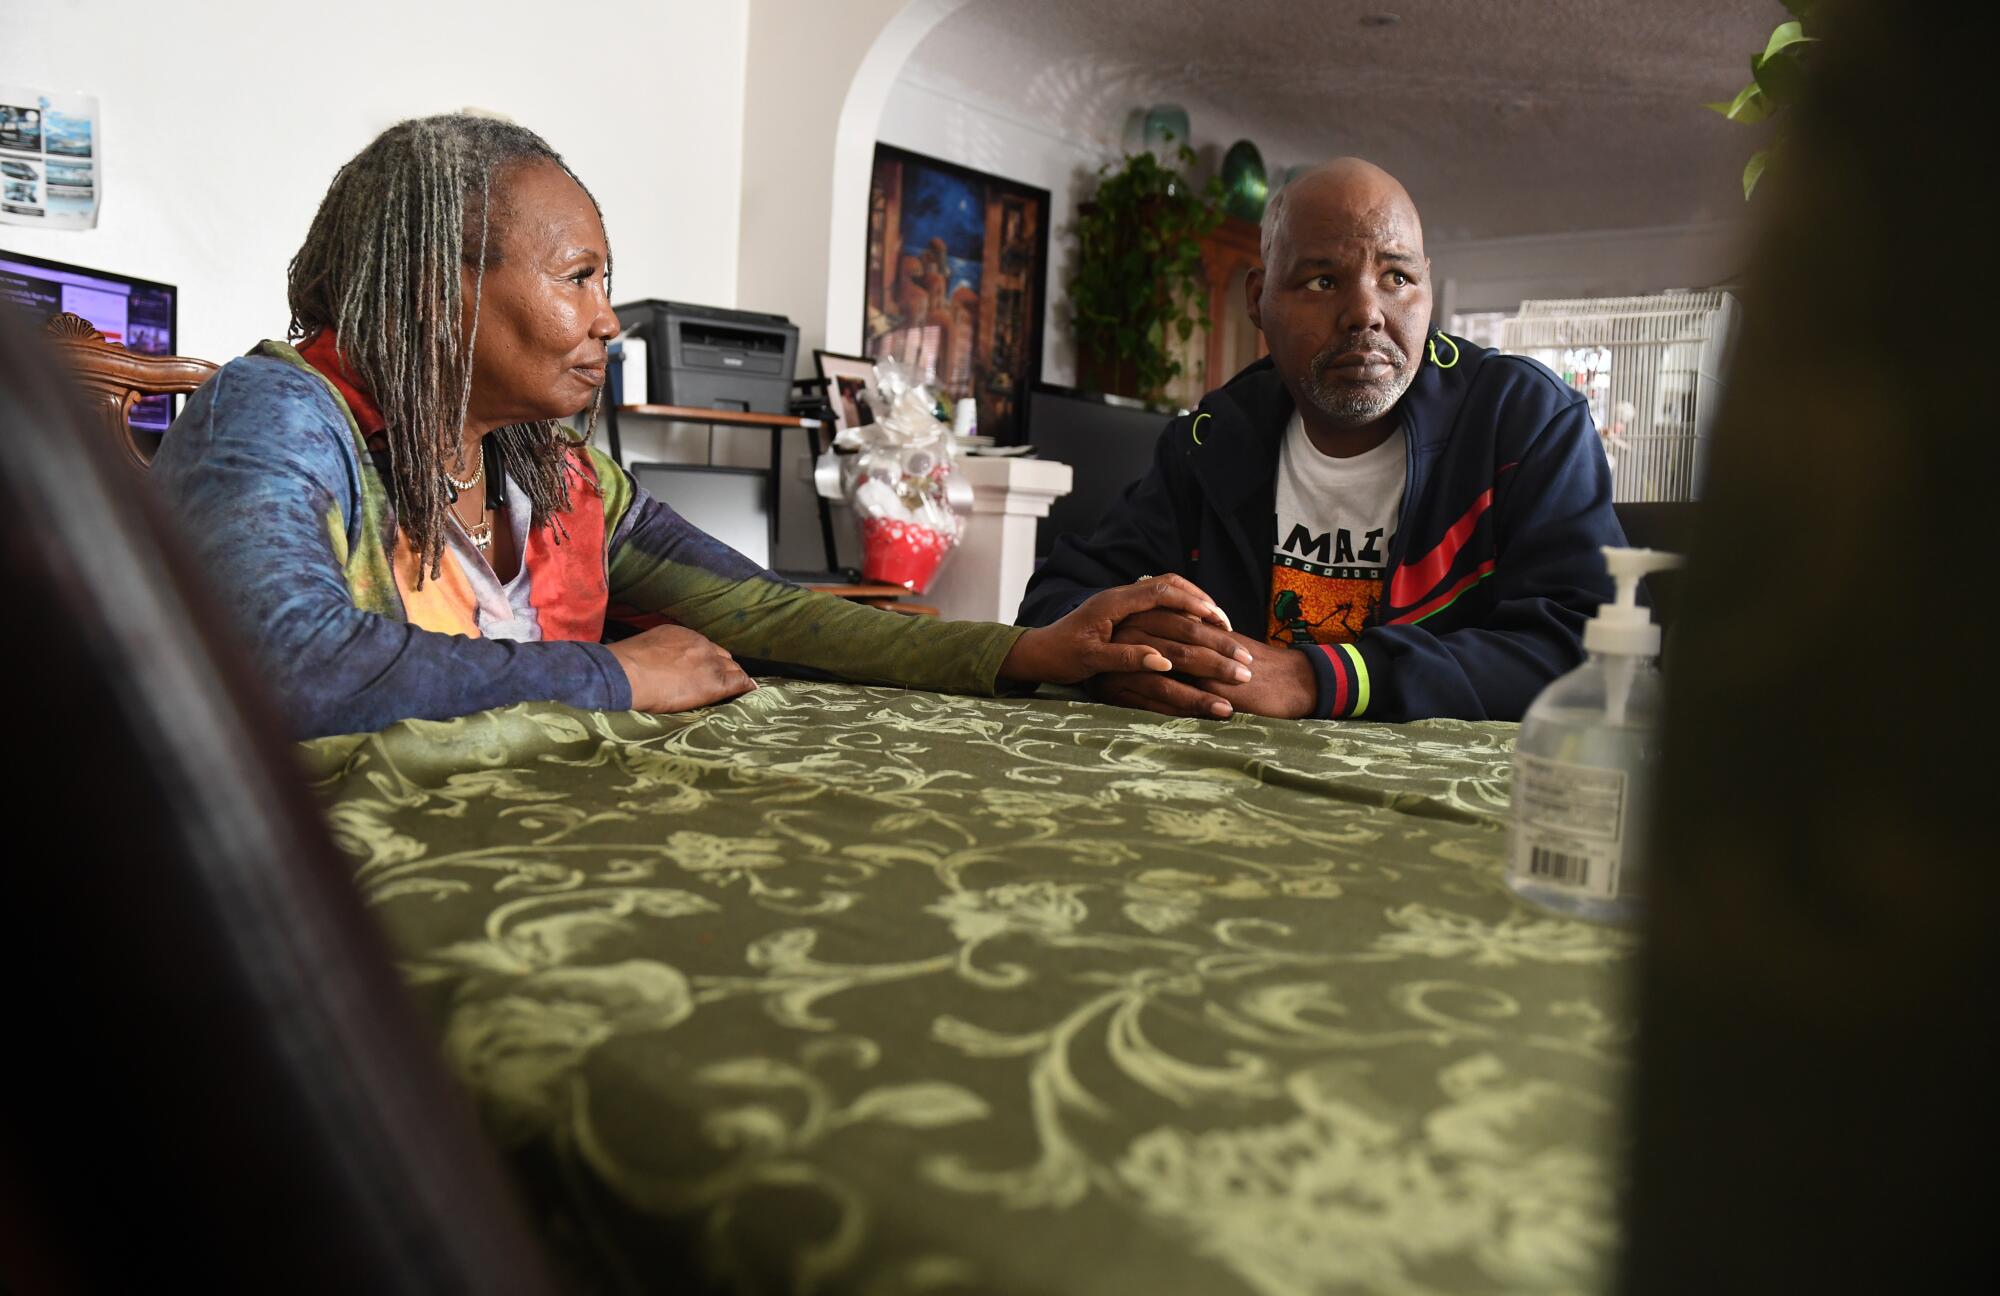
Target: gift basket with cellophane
901	477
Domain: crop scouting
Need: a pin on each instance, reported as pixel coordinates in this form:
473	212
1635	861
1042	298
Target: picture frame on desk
848	379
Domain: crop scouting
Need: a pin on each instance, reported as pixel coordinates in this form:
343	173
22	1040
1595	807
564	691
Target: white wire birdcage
1651	368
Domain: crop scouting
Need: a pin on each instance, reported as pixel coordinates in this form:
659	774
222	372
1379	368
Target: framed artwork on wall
957	275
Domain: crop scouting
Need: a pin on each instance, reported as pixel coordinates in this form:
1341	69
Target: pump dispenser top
1621	627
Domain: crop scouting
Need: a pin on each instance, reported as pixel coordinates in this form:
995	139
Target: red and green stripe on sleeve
1344	685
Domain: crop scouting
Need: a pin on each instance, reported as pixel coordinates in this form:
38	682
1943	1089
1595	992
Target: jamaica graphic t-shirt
1336	518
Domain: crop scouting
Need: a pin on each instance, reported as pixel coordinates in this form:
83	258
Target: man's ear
1253	296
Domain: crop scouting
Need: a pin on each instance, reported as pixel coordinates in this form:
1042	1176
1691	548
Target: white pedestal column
984	578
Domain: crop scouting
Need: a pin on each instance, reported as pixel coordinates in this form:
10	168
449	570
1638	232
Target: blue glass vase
1166	130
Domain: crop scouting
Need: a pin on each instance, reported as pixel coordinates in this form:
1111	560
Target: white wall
1500	274
929	119
223	122
817	75
818	71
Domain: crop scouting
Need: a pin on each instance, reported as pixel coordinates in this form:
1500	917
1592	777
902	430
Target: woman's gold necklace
480	532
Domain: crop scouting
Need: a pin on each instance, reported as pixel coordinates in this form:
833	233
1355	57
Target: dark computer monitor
1108	443
731	504
137	313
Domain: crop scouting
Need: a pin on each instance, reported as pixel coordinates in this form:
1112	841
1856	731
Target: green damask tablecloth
853	990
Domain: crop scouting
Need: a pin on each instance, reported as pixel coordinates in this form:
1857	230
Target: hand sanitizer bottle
1586	760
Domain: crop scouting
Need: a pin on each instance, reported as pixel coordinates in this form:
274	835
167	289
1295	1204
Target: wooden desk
713	418
741	418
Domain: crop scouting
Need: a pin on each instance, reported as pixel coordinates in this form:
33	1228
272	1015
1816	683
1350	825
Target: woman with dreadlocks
406	530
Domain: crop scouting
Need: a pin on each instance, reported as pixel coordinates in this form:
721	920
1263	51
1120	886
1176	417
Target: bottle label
1569	825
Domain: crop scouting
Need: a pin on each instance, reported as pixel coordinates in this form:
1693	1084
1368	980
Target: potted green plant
1775	75
1138	282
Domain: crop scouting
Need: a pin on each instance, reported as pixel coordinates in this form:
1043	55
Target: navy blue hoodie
1492	571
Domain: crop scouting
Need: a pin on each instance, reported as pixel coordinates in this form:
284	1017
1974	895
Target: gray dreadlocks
380	267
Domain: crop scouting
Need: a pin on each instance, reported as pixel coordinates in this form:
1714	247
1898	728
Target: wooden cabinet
1226	340
1222	344
1227	257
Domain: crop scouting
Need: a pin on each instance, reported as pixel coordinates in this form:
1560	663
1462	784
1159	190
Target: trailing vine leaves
1776	75
1138	283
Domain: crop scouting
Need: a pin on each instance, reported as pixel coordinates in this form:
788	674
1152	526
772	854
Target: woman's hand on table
1085	642
1265	680
673	668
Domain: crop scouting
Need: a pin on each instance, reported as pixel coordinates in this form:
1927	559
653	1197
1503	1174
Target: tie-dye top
271	470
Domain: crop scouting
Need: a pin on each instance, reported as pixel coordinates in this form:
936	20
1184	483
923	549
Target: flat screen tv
137	313
1108	442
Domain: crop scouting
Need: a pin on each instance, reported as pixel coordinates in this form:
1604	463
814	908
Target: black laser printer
710	357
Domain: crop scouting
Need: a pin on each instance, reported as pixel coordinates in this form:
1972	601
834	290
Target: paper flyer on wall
51	159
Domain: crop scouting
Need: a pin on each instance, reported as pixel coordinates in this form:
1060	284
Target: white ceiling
1502	117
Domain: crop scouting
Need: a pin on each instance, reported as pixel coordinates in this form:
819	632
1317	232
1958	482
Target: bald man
1398	523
